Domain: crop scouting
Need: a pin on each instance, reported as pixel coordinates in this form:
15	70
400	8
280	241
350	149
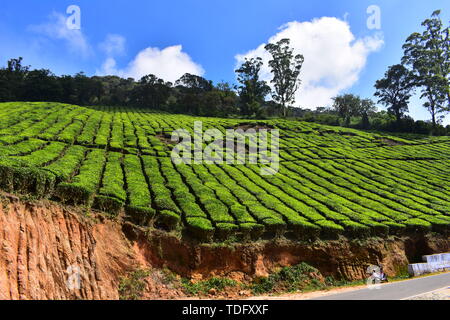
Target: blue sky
205	37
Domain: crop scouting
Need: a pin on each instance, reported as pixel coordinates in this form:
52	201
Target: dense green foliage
332	181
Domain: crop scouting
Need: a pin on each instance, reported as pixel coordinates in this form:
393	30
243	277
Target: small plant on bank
288	279
132	286
205	286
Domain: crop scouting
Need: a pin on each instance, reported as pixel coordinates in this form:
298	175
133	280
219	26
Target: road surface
395	290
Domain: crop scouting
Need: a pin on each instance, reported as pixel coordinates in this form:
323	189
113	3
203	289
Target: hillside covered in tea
331	180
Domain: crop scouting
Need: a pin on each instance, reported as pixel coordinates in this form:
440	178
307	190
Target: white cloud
333	57
169	64
56	28
114	44
109	68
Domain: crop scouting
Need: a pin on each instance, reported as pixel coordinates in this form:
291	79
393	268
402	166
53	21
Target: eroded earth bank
43	243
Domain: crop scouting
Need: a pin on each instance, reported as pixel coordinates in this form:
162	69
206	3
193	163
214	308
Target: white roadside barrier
432	263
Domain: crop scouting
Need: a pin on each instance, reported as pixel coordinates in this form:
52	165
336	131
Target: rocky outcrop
49	251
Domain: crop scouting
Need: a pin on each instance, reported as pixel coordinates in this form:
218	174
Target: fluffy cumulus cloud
56	28
169	64
334	58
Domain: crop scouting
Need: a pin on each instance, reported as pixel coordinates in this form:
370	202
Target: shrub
251	231
140	215
23	180
200	228
168	219
83	186
225	230
108	204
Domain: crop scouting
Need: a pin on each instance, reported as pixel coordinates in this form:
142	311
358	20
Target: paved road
395	290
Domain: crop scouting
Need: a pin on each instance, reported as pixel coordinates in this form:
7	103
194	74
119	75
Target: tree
347	106
365	110
41	85
87	90
11	80
366	106
4	90
428	55
194	83
190	89
252	90
395	90
228	97
118	91
350	105
152	92
286	70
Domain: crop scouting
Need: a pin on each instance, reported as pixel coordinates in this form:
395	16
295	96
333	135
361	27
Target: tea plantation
332	181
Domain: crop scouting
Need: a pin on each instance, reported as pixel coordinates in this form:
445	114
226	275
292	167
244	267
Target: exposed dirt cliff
43	244
39	244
